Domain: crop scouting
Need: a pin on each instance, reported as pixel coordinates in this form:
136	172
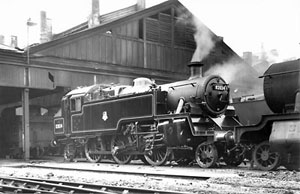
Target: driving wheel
158	156
119	143
91	148
264	159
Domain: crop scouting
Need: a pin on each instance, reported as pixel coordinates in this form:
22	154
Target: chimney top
195	69
196	63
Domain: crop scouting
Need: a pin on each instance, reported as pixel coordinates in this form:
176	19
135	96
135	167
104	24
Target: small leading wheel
69	152
91	147
264	159
206	155
119	143
158	156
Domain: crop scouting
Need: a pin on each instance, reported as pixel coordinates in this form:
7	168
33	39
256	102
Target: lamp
25	99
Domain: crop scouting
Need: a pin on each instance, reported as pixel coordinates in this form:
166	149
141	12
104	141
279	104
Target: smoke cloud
202	36
228	71
242	79
204	41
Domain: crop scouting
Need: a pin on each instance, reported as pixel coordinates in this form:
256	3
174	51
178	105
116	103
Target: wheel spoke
92	146
263	158
120	142
206	155
158	157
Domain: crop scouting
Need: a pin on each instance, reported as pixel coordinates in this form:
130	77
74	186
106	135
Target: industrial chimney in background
141	4
13	41
1	39
94	18
46	28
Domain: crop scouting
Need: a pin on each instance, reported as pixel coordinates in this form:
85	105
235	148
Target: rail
28	185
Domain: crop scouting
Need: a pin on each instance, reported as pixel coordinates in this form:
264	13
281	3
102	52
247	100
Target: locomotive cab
73	102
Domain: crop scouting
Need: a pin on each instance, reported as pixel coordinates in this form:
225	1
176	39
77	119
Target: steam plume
203	38
228	71
243	80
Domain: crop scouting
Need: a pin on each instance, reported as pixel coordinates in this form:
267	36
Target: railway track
28	185
198	176
243	182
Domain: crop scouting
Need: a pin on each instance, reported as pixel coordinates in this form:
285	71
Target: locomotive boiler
146	121
276	138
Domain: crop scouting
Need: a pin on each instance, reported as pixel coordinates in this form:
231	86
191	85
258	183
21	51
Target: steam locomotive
183	121
275	139
147	121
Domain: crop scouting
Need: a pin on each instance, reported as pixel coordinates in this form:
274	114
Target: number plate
220	87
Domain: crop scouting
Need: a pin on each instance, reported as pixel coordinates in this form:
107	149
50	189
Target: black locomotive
146	121
275	139
183	121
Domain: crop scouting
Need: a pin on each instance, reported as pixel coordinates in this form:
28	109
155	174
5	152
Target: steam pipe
180	105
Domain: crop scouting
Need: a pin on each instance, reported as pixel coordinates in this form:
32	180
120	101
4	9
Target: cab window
76	104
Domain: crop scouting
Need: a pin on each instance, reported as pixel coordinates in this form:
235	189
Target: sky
245	25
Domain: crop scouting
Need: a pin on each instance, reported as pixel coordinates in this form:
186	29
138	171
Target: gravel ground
223	179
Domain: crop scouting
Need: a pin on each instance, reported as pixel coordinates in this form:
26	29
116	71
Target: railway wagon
275	139
146	121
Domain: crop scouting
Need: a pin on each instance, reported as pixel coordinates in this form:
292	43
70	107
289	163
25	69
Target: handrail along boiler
147	121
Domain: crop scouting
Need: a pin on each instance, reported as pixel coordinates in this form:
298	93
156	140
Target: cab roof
85	90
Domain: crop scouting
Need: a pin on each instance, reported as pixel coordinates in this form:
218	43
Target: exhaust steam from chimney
204	41
241	78
202	36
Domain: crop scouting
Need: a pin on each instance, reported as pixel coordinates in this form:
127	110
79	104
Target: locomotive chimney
195	69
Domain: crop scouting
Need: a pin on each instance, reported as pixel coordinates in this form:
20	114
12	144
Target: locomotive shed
132	42
153	42
128	43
